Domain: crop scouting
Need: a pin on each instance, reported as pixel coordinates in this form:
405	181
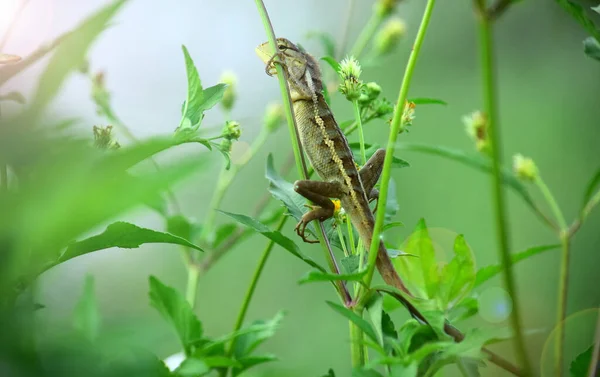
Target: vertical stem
391	145
192	283
253	283
357	349
490	107
361	137
561	310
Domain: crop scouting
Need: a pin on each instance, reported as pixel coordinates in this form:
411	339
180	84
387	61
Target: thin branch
498	195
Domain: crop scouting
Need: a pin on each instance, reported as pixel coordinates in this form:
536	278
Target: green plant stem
490	107
351	237
552	203
357	349
296	146
391	145
361	136
250	292
192	283
561	311
341	238
367	33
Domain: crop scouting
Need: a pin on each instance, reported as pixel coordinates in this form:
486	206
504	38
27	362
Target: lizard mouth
264	52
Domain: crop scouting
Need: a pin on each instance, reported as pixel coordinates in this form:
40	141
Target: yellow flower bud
525	168
389	36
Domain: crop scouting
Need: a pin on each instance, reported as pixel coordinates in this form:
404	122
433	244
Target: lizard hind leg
370	173
319	193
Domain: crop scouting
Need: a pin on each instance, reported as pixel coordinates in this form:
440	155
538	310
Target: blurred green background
548	111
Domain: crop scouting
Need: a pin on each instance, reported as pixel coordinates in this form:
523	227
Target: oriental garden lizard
329	153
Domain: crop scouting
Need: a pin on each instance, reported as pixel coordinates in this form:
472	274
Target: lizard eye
282	47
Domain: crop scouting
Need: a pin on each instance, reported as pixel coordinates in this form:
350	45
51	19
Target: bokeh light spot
495	305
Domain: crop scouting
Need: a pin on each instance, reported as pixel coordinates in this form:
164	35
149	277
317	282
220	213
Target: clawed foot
300	229
275	59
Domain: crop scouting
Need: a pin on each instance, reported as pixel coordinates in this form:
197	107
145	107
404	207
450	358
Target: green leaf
375	310
391	225
274	236
222	233
250	361
474	160
71	54
181	226
13	96
221	361
581	365
224	152
263	330
591	189
579	14
358	321
177	311
458	275
123	235
332	63
427	101
326	41
463	310
86	316
211	96
350	263
77	192
486	273
284	191
316	276
192	367
421	273
363	372
192	112
596	9
591	47
401	370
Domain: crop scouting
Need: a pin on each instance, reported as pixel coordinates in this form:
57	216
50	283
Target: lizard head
294	60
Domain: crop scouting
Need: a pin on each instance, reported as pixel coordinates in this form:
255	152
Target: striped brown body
327	148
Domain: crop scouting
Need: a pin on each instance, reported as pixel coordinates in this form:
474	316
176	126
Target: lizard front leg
370	173
319	193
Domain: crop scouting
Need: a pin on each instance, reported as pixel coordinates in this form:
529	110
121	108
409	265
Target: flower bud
476	125
408	115
351	85
229	95
274	116
232	130
389	36
525	168
103	138
384	8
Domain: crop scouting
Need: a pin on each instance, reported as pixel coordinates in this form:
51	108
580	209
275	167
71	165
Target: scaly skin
327	148
329	153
